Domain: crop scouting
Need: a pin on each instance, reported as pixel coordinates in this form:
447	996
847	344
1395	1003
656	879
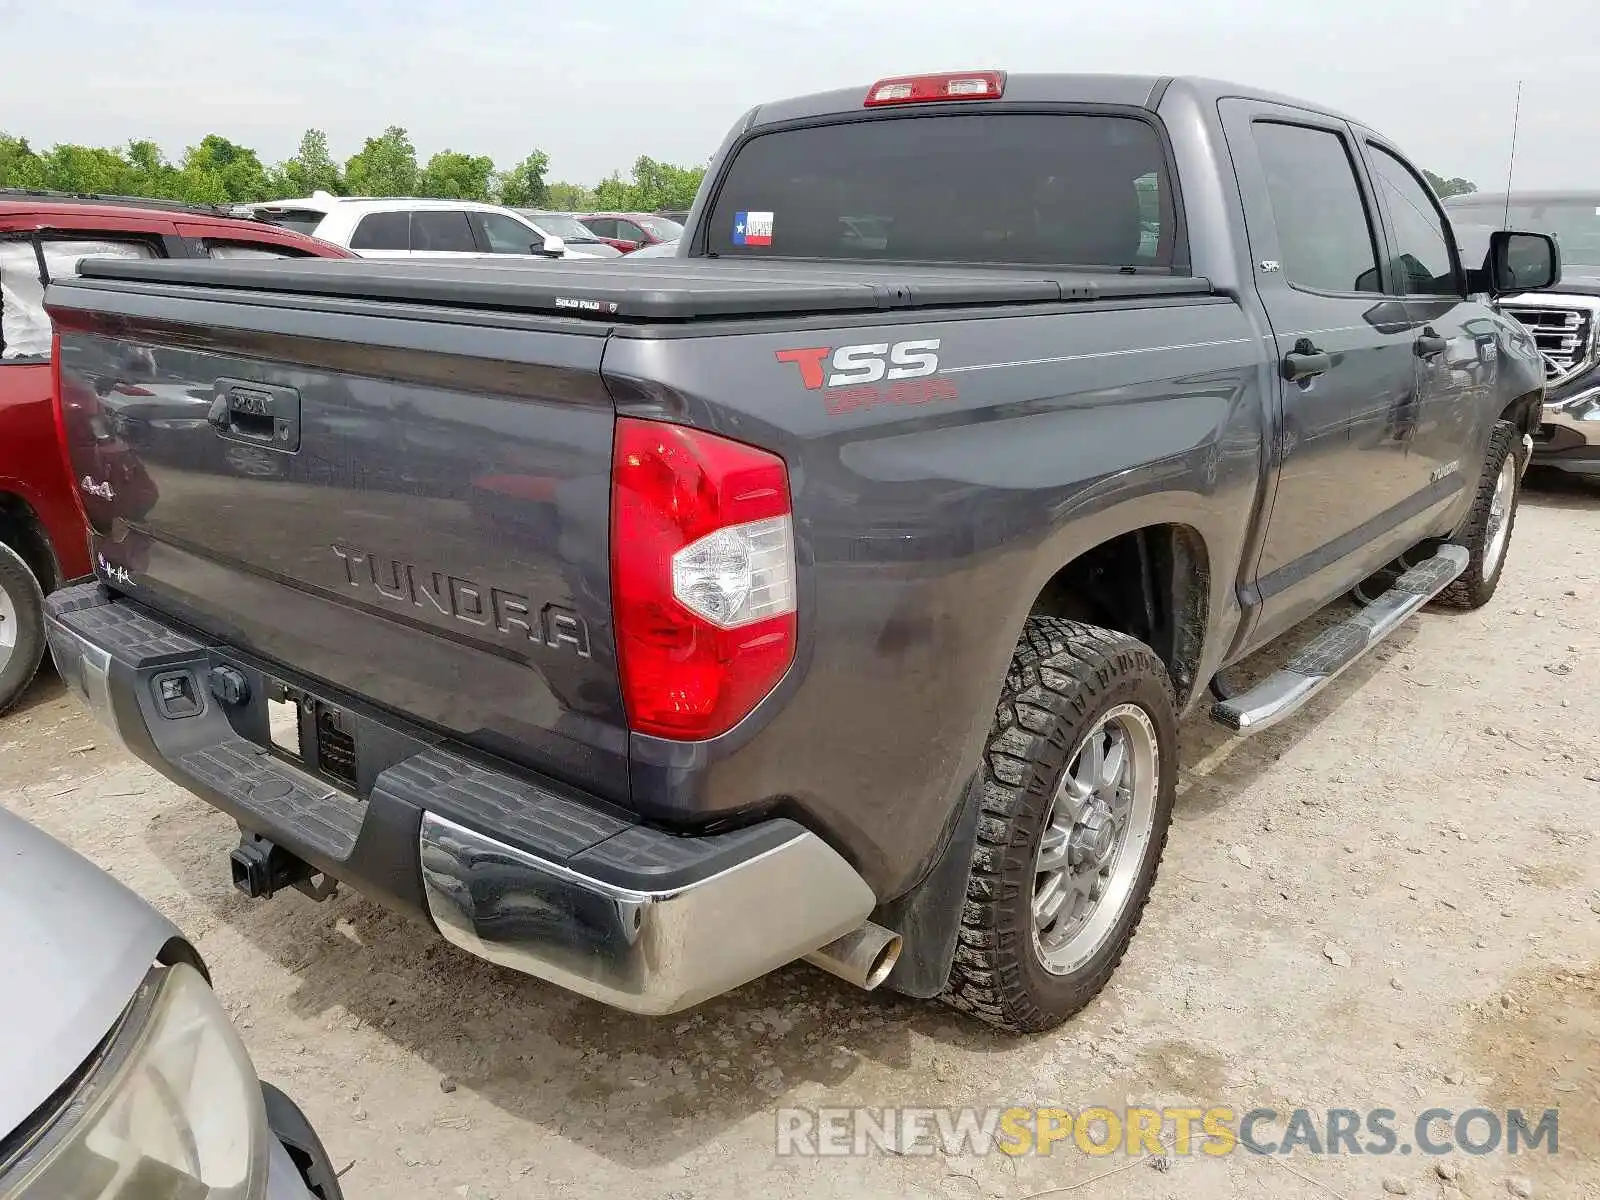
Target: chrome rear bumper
644	950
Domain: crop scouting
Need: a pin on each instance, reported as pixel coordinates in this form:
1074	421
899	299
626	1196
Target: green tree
569	197
20	167
523	186
150	174
654	185
200	185
614	194
451	175
384	166
69	168
311	169
236	169
1449	187
662	185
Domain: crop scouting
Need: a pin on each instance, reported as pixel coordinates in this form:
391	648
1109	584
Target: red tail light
929	89
702	577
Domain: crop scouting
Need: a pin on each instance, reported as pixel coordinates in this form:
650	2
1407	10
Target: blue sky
595	85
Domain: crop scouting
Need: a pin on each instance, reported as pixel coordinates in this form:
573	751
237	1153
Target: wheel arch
1169	565
22	529
1152	582
1523	411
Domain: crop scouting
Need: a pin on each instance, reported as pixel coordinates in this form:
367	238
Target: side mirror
553	246
628	246
1522	262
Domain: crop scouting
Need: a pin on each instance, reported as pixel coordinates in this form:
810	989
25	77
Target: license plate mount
312	733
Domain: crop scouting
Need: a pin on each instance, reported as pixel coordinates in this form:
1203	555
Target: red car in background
630	231
42	541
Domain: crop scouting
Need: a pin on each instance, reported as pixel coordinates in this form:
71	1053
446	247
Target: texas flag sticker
752	229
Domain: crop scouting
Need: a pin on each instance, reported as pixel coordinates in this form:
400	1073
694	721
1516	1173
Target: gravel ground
1391	901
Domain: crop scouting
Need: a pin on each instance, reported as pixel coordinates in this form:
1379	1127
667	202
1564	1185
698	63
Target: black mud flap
928	917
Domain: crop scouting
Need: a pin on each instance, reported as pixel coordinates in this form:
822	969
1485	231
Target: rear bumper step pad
1322	659
522	871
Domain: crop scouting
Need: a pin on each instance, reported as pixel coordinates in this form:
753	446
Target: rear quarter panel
927	530
32	466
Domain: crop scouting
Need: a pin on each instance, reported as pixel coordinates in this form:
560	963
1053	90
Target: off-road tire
1473	589
27	602
1064	676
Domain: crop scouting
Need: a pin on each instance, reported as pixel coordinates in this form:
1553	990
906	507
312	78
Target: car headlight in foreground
168	1109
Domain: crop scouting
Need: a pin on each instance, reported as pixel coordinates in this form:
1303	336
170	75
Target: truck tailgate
414	512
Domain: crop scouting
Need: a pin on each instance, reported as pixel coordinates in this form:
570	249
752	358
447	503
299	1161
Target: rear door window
1049	188
383	231
439	230
24	324
1325	235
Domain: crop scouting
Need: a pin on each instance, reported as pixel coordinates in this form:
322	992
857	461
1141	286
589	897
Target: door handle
1305	361
1430	344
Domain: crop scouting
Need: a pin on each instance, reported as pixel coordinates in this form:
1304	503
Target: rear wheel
1078	784
21	626
1487	531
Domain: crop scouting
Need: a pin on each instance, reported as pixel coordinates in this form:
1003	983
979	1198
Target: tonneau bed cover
665	290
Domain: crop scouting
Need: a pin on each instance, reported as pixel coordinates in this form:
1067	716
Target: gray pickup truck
832	590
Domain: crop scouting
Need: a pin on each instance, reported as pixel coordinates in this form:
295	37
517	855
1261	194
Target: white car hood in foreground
74	946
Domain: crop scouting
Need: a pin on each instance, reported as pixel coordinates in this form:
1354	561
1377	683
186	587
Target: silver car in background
121	1077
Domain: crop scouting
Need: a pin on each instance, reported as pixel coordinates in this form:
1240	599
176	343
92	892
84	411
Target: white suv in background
405	227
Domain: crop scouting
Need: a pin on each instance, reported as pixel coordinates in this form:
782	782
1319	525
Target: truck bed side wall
929	527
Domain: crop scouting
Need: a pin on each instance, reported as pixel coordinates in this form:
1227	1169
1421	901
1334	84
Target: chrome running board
1325	657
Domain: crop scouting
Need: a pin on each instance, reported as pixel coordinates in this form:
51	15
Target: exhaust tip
864	956
883	963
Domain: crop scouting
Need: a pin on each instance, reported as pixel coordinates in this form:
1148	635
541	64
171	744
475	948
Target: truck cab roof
1133	91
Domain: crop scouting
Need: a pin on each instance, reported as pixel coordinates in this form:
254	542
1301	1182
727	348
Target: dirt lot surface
1393	901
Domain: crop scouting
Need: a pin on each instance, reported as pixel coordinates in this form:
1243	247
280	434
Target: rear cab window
24	324
1065	189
